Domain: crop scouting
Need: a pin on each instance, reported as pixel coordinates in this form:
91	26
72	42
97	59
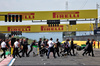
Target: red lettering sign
66	14
19	28
46	28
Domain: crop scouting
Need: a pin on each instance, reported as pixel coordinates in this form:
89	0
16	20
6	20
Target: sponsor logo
24	15
46	28
19	28
73	14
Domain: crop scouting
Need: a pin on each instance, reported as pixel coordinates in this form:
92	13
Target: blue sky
47	5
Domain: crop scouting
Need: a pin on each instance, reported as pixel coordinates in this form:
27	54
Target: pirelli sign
46	28
19	28
33	28
53	15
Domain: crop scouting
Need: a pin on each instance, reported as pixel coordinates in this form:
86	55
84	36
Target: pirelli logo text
24	15
46	28
19	28
66	14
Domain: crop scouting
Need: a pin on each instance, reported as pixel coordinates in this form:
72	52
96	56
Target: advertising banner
53	15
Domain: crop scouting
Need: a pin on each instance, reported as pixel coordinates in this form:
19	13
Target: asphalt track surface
77	60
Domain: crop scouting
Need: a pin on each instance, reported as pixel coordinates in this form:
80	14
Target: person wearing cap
51	49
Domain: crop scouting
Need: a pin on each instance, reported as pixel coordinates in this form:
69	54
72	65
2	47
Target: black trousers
73	51
92	52
24	52
40	52
4	50
68	50
30	51
15	52
57	51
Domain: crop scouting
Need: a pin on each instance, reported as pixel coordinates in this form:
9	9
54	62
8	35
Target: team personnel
87	48
16	46
91	47
25	47
51	49
57	45
39	45
67	47
45	46
4	48
31	46
72	46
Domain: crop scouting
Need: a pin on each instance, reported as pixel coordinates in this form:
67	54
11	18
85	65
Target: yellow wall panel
53	15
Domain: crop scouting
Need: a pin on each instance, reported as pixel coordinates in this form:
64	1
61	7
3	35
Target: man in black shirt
72	46
87	48
25	47
31	46
47	42
91	48
44	44
39	45
57	45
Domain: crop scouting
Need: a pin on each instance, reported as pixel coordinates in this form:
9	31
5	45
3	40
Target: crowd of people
20	47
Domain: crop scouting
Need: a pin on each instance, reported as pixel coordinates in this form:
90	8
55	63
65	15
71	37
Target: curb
11	62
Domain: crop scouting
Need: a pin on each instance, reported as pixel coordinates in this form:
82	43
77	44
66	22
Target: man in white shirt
51	49
3	47
16	46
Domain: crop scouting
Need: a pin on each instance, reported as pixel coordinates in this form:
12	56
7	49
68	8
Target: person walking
91	47
72	46
4	48
44	44
67	47
25	47
51	49
31	46
15	48
39	45
87	48
57	45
